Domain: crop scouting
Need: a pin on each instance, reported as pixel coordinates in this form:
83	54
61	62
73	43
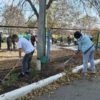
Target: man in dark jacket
9	42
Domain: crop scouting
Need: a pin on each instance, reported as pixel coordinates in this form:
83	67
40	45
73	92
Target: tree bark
41	29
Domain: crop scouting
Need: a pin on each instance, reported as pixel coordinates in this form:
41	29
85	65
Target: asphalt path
78	90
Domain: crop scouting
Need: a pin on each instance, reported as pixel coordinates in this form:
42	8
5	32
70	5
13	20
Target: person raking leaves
86	46
27	47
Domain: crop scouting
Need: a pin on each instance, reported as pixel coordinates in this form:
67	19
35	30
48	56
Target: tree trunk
41	30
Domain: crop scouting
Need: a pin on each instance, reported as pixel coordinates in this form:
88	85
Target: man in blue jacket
85	45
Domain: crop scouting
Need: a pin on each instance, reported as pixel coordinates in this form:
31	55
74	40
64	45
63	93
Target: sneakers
21	75
27	73
92	71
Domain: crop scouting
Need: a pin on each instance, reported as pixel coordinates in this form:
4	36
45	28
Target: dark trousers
14	47
0	44
8	46
26	63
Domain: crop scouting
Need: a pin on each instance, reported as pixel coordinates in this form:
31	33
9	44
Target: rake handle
69	59
6	76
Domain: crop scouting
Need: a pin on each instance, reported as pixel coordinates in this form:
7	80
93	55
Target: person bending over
27	47
86	46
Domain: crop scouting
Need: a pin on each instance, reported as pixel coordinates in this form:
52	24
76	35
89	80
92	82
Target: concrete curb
15	94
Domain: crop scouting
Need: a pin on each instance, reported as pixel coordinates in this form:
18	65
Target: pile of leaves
65	80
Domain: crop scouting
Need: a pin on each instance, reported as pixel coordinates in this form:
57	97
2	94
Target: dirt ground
8	59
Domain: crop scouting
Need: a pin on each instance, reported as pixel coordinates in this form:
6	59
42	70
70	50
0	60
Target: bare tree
62	16
34	8
13	16
88	22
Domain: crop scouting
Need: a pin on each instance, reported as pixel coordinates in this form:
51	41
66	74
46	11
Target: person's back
84	43
27	36
26	45
9	39
20	35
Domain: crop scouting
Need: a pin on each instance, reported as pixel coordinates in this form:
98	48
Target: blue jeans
89	57
26	62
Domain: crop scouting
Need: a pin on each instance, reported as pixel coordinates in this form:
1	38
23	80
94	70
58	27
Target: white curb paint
15	94
71	48
76	69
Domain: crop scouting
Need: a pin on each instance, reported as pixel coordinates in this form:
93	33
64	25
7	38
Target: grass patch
12	78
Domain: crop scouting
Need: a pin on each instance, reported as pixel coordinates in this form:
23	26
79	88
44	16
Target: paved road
78	90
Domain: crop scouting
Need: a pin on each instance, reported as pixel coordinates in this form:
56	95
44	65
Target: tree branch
33	7
49	4
29	18
35	10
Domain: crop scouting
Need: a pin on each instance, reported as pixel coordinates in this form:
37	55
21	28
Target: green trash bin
44	59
